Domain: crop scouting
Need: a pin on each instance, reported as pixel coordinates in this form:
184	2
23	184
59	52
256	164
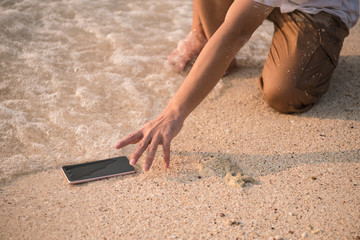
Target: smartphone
90	171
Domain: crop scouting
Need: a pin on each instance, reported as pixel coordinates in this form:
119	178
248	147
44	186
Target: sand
307	169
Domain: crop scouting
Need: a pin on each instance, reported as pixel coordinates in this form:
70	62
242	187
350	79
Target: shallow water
77	75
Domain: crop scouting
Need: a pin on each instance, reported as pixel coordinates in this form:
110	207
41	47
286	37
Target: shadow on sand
262	165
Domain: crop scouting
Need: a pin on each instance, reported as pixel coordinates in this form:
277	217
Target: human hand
159	131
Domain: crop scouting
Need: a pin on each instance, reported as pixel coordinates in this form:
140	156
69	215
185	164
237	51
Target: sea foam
78	75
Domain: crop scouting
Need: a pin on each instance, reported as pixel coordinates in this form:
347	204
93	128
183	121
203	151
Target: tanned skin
242	18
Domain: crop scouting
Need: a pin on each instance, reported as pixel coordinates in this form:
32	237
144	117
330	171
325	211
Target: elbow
238	34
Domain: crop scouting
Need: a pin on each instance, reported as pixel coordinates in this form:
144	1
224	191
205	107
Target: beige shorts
303	55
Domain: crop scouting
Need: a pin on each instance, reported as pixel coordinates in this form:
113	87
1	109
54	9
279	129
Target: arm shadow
260	165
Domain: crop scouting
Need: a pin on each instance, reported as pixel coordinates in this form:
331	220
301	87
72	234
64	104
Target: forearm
242	20
210	66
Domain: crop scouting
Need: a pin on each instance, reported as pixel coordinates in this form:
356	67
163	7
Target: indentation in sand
232	174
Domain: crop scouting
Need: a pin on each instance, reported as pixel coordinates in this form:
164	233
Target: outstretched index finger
130	139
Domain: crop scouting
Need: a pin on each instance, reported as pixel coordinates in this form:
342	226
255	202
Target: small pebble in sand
232	222
276	238
304	235
222	215
229	222
313	178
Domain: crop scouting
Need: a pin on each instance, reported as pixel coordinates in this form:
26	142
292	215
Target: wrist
176	111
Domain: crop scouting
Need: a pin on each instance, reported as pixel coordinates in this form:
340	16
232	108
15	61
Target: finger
139	151
130	139
166	152
151	154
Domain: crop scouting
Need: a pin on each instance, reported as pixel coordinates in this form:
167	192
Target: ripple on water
78	75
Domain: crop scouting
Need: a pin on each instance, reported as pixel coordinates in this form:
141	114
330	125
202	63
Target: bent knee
286	103
288	99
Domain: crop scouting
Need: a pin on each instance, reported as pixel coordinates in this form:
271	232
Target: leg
209	15
303	55
207	18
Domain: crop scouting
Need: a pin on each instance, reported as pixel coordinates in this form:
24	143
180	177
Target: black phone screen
88	171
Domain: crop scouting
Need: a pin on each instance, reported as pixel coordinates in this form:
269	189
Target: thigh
303	55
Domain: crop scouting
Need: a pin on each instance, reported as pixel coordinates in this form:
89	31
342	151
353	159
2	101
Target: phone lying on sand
90	171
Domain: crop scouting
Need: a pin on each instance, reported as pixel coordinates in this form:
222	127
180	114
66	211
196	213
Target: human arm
242	19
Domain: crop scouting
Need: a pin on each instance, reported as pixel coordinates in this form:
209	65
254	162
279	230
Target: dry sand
307	167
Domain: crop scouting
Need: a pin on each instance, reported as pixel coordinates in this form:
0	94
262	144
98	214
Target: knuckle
141	145
152	148
132	135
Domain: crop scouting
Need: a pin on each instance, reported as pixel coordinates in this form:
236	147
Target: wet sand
306	166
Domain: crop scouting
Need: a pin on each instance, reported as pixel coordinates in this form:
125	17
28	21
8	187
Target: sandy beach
307	168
